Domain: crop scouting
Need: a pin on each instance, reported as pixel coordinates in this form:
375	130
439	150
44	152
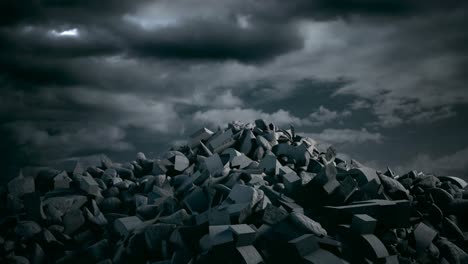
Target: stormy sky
383	81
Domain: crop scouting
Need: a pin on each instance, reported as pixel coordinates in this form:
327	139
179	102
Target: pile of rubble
250	193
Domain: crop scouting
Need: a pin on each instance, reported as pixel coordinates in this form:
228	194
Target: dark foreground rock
250	193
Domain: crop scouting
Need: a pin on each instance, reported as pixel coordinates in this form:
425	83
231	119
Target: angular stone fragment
249	255
125	225
218	217
156	234
363	224
21	185
33	207
244	235
269	164
307	224
423	235
261	141
99	251
72	221
241	162
220	142
374	248
200	135
64	204
62	181
89	185
292	182
382	210
364	175
304	245
196	201
27	229
214	164
231	153
220	235
241	194
455	180
322	256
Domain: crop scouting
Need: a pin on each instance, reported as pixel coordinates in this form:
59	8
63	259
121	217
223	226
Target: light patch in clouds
130	109
359	104
324	115
392	72
217	117
345	136
66	33
455	164
149	23
243	21
227	99
64	143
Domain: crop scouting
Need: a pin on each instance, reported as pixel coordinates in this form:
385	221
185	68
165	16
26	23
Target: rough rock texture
250	193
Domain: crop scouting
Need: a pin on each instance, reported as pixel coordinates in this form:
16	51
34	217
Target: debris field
249	193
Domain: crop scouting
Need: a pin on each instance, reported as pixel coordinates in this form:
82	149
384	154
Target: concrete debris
248	193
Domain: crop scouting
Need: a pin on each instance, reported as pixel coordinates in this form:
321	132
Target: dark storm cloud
215	40
330	9
42	11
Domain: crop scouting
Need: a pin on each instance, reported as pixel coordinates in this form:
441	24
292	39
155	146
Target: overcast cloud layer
382	81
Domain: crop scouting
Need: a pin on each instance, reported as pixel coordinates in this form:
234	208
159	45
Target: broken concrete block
261	124
258	153
89	185
125	225
155	237
111	205
455	180
247	142
220	142
331	187
269	164
373	247
348	186
220	235
321	256
202	134
62	181
285	170
382	210
292	182
196	201
21	185
218	217
244	235
231	153
99	251
307	224
363	224
240	162
249	255
261	141
304	245
423	235
301	154
241	194
214	164
33	207
177	218
364	175
72	221
180	163
27	229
